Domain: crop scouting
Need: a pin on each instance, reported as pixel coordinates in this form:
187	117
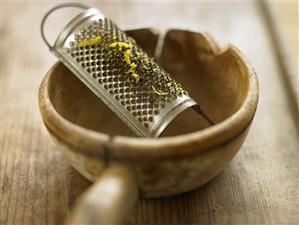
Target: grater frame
59	49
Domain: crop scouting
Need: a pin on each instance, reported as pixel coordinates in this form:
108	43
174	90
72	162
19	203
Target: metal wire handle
76	5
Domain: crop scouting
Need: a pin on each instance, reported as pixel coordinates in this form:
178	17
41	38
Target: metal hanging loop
75	5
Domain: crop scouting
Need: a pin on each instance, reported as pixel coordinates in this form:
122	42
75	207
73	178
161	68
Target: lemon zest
136	76
133	66
127	56
158	92
121	45
90	41
133	72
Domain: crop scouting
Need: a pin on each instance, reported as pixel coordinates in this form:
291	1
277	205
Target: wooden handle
109	199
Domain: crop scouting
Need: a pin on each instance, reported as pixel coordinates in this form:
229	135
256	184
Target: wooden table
38	185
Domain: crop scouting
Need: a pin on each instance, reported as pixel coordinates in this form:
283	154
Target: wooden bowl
103	149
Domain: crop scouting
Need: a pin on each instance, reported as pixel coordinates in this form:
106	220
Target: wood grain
287	61
38	186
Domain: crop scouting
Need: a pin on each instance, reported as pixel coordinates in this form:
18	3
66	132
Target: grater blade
118	71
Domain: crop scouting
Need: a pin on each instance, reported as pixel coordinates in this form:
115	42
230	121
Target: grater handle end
109	199
66	5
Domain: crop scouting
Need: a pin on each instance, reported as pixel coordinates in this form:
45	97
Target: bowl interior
216	81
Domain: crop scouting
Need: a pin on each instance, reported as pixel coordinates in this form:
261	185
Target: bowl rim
89	142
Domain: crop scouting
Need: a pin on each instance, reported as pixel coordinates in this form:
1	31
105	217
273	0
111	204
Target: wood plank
281	30
38	186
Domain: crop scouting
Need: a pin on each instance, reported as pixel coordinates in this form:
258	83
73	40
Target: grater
119	72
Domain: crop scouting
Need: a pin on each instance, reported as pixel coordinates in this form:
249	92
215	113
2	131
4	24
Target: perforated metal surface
134	86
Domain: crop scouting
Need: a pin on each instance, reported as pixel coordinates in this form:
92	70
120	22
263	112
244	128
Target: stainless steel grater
119	72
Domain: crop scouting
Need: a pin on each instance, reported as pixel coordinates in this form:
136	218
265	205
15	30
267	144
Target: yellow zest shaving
136	76
91	41
158	92
133	72
179	89
127	56
121	45
133	66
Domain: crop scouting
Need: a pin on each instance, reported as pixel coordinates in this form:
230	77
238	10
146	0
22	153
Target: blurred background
38	186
